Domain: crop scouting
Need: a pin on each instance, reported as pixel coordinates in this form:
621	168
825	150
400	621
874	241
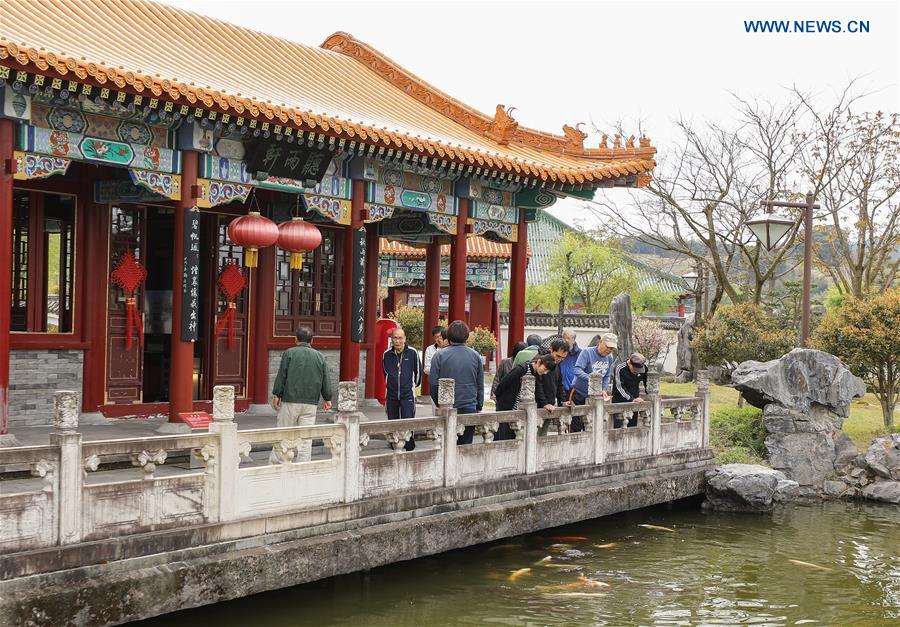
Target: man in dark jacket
504	367
466	367
402	375
627	378
510	388
548	390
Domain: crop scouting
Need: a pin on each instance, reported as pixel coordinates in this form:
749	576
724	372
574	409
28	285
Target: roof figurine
503	126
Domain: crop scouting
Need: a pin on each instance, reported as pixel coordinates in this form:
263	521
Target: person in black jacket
402	374
505	366
627	378
548	391
510	387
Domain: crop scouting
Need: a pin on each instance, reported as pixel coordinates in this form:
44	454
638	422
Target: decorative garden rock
747	488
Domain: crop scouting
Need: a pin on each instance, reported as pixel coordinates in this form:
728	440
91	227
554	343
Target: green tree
652	300
586	270
740	332
865	335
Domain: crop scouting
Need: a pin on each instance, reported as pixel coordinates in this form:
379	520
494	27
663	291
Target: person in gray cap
598	359
626	382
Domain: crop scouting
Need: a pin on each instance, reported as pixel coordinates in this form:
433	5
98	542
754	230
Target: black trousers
469	433
403	407
577	422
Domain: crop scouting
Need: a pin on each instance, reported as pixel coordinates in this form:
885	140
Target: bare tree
705	190
860	195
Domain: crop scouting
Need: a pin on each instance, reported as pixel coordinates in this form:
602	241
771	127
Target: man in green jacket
302	377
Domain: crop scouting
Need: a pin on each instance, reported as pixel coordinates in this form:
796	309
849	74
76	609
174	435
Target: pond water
825	564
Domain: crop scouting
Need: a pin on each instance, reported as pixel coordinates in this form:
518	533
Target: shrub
649	338
482	341
412	321
738	428
737	455
865	335
740	332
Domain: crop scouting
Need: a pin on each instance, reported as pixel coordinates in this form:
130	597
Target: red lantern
252	232
298	236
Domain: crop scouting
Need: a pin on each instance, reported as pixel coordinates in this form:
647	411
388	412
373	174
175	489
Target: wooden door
124	366
226	365
310	296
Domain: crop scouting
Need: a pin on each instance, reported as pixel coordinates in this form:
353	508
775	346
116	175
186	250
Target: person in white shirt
439	336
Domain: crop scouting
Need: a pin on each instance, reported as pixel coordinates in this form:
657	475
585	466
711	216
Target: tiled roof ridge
62	65
501	128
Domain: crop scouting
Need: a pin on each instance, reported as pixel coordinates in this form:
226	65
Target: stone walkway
127	428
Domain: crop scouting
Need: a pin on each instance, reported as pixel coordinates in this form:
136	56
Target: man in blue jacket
402	374
567	367
466	367
600	360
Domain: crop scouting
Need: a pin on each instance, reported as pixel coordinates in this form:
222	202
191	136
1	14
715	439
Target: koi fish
560	547
518	573
502	546
608	545
569	538
808	565
575	594
543	561
657	528
591	583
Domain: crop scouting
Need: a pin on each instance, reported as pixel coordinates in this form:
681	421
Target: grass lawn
865	421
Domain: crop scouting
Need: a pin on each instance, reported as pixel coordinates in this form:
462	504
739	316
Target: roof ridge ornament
503	126
574	137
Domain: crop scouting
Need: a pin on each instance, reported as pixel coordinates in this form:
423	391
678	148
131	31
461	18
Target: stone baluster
446	398
655	409
226	470
702	381
70	475
532	423
598	407
348	415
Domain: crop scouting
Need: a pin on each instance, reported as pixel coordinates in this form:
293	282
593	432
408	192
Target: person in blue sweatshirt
567	367
599	359
402	374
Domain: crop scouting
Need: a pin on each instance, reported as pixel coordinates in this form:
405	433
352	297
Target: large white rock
747	488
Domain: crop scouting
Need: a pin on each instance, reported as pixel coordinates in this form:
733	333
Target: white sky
603	61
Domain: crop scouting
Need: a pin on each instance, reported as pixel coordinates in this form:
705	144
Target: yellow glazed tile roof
343	88
476	248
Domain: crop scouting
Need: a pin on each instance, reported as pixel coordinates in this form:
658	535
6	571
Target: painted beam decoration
34	166
214	193
494	213
165	185
80	147
489	274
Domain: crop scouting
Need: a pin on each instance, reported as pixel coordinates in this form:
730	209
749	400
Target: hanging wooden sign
190	276
280	159
357	319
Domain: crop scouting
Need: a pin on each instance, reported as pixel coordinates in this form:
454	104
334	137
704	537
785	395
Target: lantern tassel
227	322
251	256
133	320
296	261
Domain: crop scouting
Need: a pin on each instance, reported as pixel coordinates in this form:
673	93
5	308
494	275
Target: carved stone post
655	403
598	407
702	380
347	415
532	423
70	475
229	456
446	398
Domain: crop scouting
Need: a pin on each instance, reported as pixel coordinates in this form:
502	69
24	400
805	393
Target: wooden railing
79	491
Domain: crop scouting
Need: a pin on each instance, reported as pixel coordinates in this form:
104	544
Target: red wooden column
457	309
516	331
349	370
263	323
95	284
7	145
373	252
432	294
181	385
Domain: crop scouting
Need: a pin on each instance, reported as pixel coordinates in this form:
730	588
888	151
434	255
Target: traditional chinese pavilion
146	155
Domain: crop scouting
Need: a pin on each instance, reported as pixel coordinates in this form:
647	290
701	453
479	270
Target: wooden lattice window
310	295
43	272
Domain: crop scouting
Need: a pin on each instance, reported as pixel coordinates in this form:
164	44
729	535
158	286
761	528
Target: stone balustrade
78	494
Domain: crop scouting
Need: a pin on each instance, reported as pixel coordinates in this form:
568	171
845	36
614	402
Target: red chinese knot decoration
297	237
128	275
231	281
252	232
